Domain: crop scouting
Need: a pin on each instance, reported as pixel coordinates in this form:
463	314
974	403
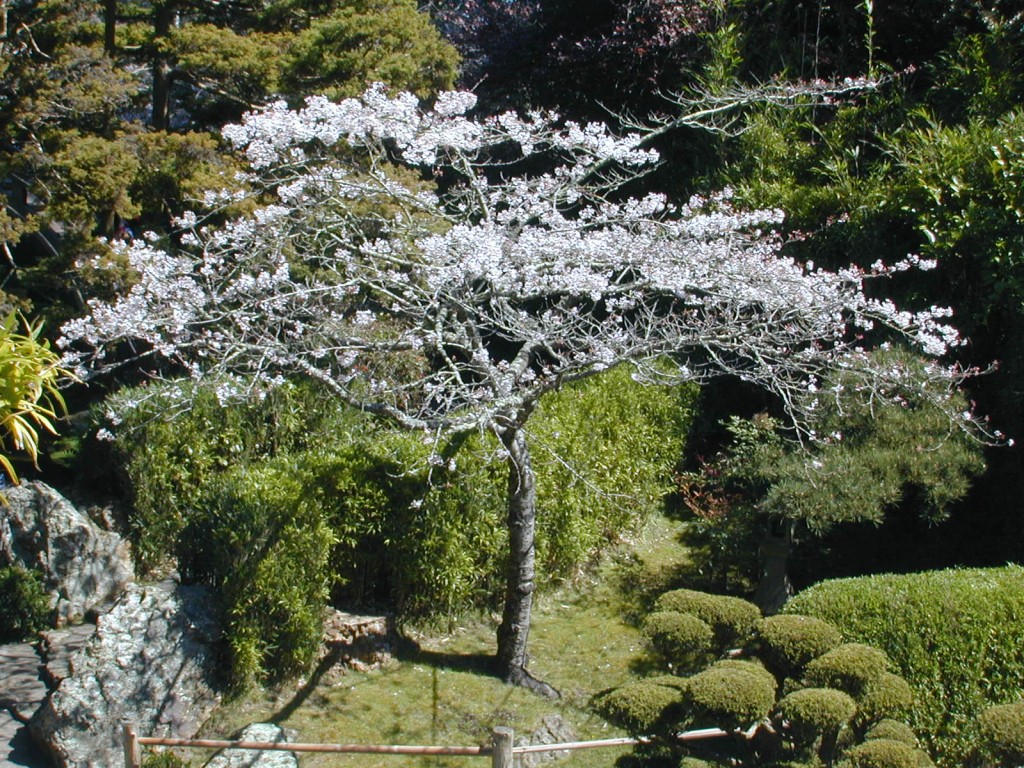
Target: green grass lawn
581	641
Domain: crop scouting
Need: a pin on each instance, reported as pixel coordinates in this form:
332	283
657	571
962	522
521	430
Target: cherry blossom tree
445	272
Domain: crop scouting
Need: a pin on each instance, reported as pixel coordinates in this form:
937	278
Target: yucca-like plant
30	398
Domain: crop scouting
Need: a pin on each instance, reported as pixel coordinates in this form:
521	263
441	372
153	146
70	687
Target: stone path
22	690
24	681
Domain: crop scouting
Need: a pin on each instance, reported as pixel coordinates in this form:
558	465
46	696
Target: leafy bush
956	636
418	526
814	722
678	637
1002	733
605	451
24	604
169	459
766	488
268	558
889	696
641	707
788	642
888	753
731	618
728	697
851	667
892	729
812	712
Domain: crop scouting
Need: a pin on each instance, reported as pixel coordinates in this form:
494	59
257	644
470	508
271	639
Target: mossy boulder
727	697
888	753
889	696
851	667
678	637
888	728
642	707
788	642
813	712
731	618
1002	732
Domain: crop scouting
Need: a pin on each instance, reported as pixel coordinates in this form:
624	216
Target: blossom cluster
457	307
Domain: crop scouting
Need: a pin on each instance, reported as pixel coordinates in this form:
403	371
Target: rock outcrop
150	662
83	566
266	733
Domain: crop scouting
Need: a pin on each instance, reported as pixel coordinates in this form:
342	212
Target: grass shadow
409	650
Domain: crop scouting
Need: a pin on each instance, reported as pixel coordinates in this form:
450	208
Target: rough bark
513	633
163	18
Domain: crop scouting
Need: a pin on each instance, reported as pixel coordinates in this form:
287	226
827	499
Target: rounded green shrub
727	697
957	636
887	728
641	707
731	618
677	637
750	666
888	753
1002	732
788	642
889	696
24	605
812	712
851	667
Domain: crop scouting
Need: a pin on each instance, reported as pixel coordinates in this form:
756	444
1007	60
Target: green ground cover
583	640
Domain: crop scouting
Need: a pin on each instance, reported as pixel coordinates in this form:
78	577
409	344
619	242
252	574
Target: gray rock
150	663
83	566
553	730
266	733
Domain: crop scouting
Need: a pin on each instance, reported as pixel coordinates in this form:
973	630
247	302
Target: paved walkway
24	678
22	690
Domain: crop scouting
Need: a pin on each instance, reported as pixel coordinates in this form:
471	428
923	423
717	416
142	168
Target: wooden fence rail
501	750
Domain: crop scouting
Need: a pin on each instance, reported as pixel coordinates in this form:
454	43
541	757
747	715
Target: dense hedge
957	636
292	498
823	698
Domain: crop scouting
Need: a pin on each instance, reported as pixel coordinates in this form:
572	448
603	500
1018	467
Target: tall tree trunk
110	26
775	588
514	631
163	18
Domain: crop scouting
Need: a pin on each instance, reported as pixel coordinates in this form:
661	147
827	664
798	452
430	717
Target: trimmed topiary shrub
892	729
24	605
813	712
888	753
789	642
890	696
750	666
731	618
1002	733
642	707
851	667
727	697
678	637
957	636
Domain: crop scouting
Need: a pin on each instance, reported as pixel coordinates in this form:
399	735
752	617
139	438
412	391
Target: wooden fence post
132	749
501	746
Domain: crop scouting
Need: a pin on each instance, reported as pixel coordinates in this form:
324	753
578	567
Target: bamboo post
132	748
501	747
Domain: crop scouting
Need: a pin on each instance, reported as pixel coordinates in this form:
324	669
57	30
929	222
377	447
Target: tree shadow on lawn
405	650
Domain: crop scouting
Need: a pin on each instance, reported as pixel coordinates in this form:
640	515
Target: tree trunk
775	587
163	18
110	26
512	657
